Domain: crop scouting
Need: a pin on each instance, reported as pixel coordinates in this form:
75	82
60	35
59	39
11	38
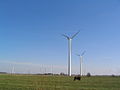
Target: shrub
88	74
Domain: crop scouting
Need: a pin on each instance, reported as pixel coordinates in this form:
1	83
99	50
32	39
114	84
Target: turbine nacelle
81	55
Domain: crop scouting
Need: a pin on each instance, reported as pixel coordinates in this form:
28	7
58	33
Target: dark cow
77	78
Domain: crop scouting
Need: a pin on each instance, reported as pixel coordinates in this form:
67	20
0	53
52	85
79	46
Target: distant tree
62	73
3	72
113	75
88	74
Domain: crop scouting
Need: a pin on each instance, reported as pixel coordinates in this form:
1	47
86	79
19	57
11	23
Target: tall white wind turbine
70	51
81	61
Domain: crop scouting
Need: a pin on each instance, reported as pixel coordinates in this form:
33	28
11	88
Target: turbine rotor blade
75	35
77	54
65	36
83	53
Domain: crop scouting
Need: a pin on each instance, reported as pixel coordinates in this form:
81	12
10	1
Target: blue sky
30	34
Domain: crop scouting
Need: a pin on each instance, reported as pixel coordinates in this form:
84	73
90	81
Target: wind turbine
70	51
52	69
13	70
81	60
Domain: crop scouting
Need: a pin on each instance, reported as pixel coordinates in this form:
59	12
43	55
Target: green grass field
39	82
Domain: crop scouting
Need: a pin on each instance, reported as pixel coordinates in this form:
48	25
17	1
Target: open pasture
40	82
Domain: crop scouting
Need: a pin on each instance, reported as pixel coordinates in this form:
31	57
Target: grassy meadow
41	82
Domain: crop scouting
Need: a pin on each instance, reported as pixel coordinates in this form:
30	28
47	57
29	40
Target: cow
77	78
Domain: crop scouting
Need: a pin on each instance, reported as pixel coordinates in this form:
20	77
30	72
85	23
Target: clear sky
30	35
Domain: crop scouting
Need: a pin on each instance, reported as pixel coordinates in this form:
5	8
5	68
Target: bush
113	75
88	74
62	73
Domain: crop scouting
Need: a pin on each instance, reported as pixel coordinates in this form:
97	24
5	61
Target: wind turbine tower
70	51
81	60
13	70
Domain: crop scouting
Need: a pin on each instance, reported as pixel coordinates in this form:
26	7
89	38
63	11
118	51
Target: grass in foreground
39	82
